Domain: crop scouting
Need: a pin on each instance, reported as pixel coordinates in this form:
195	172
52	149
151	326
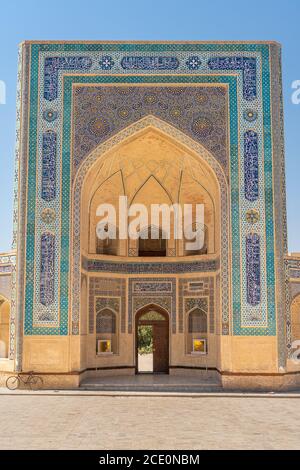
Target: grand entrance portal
152	341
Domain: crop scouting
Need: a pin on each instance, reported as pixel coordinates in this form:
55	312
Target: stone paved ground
125	422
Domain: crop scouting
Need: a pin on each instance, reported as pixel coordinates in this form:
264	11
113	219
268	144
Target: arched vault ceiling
127	169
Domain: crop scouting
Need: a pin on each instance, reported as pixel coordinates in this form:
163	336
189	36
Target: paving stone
147	422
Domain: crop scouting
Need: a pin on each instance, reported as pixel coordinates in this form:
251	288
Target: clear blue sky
149	20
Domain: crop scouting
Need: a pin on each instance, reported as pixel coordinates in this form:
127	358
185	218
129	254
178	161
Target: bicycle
34	381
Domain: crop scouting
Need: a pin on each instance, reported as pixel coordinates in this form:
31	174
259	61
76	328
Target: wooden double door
160	342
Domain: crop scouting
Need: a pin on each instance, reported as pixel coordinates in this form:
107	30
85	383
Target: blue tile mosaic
250	115
246	64
53	65
253	268
49	115
193	62
149	63
49	166
106	62
251	165
47	269
199	112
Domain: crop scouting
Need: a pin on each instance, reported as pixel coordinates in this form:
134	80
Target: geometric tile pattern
199	112
106	62
50	115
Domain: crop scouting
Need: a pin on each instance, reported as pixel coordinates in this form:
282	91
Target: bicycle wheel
13	383
35	382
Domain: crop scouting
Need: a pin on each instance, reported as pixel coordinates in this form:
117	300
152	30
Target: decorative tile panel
106	321
251	165
149	63
91	265
203	297
49	166
200	112
105	292
193	63
50	115
106	62
253	268
52	67
47	269
150	287
246	64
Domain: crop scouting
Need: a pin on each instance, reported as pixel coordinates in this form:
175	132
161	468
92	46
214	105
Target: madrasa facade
159	123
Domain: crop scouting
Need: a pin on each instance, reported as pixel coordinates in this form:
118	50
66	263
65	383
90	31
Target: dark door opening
153	247
152	342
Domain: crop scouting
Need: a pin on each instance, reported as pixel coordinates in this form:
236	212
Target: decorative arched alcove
148	163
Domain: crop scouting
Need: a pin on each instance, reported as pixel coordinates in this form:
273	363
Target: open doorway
152	341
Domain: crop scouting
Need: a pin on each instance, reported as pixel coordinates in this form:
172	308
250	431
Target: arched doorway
152	340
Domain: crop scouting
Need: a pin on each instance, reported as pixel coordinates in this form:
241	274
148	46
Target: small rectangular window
199	346
103	346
